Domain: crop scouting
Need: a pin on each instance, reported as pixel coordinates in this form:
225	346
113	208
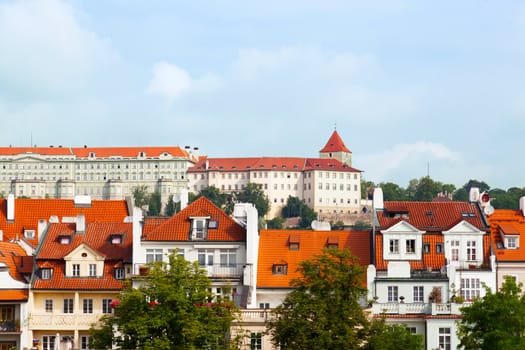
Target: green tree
154	204
367	189
171	310
392	192
384	336
496	321
254	194
214	195
275	223
171	206
140	195
323	311
292	208
307	216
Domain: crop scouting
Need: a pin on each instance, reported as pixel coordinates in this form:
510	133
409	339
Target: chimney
42	224
183	198
11	207
522	205
474	194
81	223
377	199
196	152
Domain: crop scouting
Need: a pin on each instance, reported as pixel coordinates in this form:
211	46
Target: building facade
428	257
100	172
328	184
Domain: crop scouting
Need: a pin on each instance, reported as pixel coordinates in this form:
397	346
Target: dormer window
116	239
293	242
199	227
280	269
91	154
46	273
64	239
332	242
119	273
509	235
511	242
29	234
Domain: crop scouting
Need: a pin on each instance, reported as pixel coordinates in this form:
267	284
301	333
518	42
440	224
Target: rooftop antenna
335	126
428	169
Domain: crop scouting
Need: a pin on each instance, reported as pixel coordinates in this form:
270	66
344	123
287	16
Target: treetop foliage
172	309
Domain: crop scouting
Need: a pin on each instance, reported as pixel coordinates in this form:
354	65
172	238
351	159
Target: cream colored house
80	271
328	184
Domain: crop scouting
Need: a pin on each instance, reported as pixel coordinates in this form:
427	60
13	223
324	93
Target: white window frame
92	270
393	294
48	305
454	250
106	306
87	306
444	338
75	270
48	342
471	250
393	245
470	288
153	255
84	342
68	305
410	246
418	294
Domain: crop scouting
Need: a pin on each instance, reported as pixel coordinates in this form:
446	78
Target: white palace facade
328	184
101	173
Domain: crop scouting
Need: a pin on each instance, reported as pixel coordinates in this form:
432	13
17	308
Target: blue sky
411	86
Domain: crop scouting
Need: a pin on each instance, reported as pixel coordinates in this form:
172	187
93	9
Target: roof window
280	269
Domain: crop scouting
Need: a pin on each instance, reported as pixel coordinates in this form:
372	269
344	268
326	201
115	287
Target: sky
414	87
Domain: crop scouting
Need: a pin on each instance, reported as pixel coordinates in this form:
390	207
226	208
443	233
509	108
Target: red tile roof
11	254
268	164
29	211
431	216
511	222
177	228
434	218
273	249
60	281
100	152
14	294
97	236
335	144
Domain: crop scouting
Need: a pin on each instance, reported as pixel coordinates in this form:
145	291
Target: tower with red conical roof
335	148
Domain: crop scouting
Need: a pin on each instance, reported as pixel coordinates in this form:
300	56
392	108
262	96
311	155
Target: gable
402	227
83	252
463	227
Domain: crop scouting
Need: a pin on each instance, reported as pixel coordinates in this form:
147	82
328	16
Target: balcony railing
9	326
66	321
232	271
416	308
256	315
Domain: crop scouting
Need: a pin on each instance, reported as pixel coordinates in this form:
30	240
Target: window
106	306
410	245
116	239
48	342
412	330
92	270
29	234
205	256
471	250
48	305
84	342
392	293
255	341
418	294
87	306
68	306
454	250
264	305
444	338
153	255
439	248
46	274
119	273
279	269
228	257
76	270
394	246
470	288
198	228
512	243
426	248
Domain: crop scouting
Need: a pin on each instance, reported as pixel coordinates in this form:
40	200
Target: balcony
255	316
9	326
215	271
62	321
416	308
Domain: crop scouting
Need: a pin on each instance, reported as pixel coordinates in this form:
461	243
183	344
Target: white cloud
401	158
254	63
169	81
44	48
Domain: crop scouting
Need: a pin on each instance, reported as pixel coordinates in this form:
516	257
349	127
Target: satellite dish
489	210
